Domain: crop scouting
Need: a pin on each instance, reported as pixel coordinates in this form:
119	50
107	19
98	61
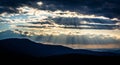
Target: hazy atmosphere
78	24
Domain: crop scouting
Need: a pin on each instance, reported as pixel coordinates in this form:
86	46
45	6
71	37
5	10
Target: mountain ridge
25	51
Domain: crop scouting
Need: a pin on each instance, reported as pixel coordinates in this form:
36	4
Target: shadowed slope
28	51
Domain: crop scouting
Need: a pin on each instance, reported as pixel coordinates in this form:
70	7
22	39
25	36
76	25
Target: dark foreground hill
24	50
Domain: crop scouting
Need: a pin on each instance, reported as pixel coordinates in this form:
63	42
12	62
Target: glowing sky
68	28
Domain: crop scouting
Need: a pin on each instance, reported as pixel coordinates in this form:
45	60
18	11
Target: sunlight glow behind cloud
28	14
42	24
54	14
40	3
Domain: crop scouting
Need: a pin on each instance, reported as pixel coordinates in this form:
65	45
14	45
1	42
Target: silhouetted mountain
10	34
26	50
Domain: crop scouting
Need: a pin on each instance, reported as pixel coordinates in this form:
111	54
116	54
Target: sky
87	24
109	8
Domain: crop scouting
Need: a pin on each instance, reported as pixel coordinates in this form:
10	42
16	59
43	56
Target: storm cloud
108	8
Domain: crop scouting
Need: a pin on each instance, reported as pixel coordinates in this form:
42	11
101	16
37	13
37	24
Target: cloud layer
109	8
75	22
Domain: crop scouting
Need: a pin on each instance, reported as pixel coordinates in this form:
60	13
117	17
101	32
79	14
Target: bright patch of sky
40	3
32	22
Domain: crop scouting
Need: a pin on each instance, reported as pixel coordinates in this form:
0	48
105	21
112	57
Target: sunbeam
67	28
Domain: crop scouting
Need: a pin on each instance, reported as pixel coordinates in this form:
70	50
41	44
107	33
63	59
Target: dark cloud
14	3
109	8
11	5
97	27
75	23
8	10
